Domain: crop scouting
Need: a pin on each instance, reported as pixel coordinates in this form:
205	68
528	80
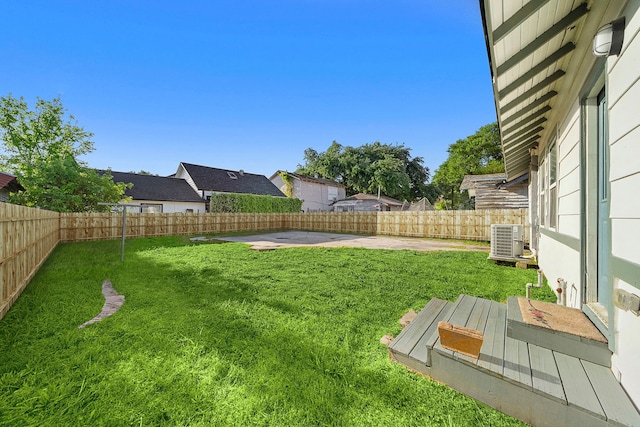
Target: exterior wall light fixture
608	40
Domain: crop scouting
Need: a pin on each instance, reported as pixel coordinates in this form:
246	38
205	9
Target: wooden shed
493	191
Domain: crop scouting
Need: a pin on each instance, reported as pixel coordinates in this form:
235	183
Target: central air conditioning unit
507	241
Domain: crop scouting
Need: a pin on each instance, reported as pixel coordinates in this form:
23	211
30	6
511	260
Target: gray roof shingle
227	181
151	187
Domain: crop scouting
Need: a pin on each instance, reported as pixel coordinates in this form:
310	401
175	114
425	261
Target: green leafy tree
480	153
369	168
41	148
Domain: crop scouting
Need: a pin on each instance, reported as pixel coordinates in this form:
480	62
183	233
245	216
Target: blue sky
251	84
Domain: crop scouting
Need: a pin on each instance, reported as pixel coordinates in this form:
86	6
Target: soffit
531	45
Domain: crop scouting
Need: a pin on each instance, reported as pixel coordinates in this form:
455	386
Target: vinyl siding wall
559	251
624	142
316	196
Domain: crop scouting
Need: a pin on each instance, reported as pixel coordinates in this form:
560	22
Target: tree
144	172
480	153
370	168
41	148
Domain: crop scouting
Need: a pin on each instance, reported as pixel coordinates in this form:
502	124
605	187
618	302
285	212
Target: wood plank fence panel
27	237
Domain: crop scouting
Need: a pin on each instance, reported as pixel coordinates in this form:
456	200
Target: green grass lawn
218	334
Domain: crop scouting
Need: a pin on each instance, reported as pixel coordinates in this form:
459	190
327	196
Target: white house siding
559	261
623	84
172	207
314	195
569	174
624	362
556	258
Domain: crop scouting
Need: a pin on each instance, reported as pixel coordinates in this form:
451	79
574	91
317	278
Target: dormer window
232	175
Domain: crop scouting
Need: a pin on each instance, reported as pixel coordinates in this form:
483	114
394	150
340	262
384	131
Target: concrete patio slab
289	239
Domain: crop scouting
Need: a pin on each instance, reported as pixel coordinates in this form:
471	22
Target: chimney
241	172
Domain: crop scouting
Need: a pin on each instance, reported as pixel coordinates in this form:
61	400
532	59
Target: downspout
534	285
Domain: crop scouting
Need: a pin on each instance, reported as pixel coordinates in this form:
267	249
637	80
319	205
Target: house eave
539	53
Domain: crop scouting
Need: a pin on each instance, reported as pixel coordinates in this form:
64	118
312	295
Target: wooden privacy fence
466	225
27	236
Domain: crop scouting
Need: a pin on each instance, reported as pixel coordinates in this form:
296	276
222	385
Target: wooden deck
538	385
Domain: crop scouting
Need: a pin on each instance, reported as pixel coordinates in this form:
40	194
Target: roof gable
471	181
384	199
227	181
9	182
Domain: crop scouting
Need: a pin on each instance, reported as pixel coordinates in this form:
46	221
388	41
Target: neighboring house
316	194
570	119
493	191
421	205
159	193
207	180
8	184
368	203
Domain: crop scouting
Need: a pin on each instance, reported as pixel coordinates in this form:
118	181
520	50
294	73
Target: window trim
548	185
553	184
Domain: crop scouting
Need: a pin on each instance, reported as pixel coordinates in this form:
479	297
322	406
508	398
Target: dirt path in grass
113	302
288	239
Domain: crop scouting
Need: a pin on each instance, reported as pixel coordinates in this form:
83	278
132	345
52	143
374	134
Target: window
333	193
553	185
151	208
232	175
553	158
548	175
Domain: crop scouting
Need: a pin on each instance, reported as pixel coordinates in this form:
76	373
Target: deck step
614	401
484	316
410	346
538	385
562	342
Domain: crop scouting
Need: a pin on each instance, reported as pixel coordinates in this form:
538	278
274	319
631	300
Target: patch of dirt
408	318
386	340
113	302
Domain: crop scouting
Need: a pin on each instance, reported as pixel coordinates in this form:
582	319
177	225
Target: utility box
507	241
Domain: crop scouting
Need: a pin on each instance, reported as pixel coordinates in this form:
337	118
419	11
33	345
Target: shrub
252	203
